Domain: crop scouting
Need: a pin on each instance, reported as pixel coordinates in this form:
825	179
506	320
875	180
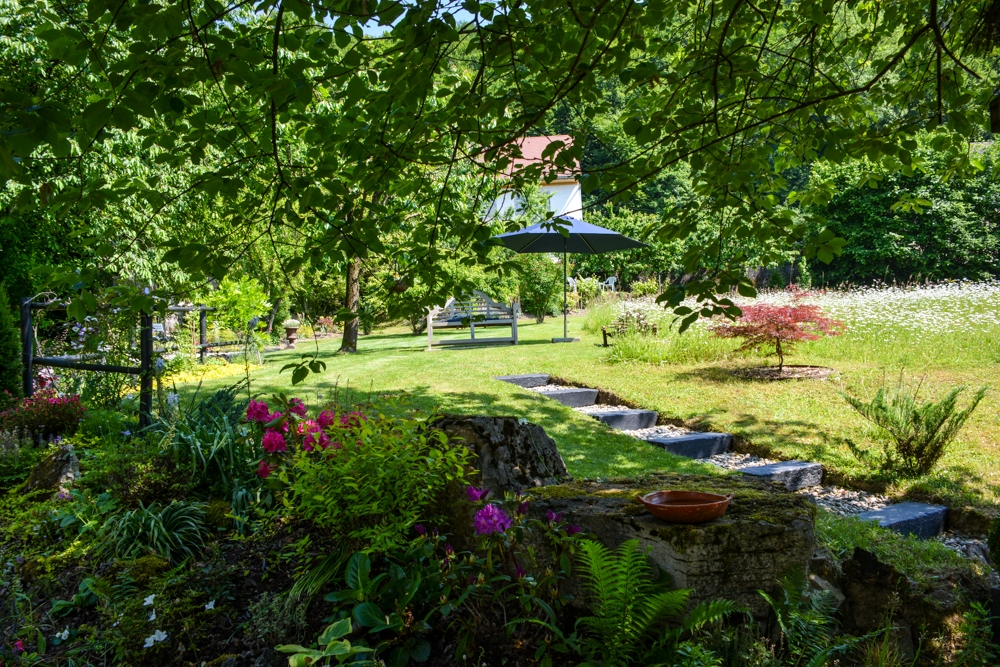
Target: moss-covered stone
216	514
145	568
765	534
55	472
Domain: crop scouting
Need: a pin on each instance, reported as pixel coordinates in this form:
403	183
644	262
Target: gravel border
845	501
734	461
663	431
600	407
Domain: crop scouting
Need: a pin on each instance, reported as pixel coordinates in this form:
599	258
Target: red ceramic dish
686	506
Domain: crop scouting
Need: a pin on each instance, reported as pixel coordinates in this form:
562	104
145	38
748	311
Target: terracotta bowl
685	506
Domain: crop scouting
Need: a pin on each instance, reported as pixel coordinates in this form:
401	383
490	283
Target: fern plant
920	433
631	610
807	624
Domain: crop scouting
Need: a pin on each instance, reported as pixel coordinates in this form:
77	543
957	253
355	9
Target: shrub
540	286
367	479
10	347
237	303
645	288
764	325
917	434
45	415
588	289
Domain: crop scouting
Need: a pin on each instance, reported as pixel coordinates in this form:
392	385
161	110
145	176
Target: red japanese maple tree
781	326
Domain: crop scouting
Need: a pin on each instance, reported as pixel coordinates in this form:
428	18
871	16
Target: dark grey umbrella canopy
584	238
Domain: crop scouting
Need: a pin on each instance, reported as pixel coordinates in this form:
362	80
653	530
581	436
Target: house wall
565	198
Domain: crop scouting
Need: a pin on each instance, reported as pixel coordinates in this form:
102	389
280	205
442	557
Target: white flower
173	399
152	615
148	601
64	635
157	636
210	605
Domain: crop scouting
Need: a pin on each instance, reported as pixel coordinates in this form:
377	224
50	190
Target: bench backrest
478	305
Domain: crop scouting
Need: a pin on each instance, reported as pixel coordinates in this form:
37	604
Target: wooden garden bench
473	312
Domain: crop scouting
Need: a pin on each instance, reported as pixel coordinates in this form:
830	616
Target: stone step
794	475
526	381
694	445
919	519
574	398
627	420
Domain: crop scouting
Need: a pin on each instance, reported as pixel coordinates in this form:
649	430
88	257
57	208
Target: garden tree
10	346
352	301
951	230
284	114
780	327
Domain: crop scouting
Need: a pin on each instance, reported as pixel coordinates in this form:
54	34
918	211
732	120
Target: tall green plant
919	433
631	610
541	286
10	346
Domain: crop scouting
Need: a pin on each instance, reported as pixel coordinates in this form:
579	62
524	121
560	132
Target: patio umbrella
584	239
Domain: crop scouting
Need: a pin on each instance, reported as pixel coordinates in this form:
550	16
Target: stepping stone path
918	519
794	475
921	519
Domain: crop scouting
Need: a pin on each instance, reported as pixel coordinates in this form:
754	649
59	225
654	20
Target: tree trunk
352	301
781	356
274	312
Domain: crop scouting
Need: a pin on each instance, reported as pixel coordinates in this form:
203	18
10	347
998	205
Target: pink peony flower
326	419
257	411
474	494
491	519
265	469
273	442
297	407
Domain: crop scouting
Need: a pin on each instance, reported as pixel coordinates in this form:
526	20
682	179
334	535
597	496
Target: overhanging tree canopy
311	114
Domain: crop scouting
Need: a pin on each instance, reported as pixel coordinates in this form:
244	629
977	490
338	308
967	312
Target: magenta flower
449	550
314	440
474	494
572	529
352	419
297	407
19	646
522	509
519	572
326	419
275	416
420	529
273	442
258	411
265	469
552	517
308	426
491	519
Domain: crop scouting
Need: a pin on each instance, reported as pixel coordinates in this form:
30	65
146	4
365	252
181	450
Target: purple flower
449	550
519	572
552	517
313	440
522	509
472	579
491	519
326	419
420	529
297	407
572	529
257	411
474	494
273	442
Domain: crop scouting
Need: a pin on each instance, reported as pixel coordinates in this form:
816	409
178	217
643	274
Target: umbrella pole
565	338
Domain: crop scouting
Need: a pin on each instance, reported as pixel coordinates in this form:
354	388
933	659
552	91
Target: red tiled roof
532	148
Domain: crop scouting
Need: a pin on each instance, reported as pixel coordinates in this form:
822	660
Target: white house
565	196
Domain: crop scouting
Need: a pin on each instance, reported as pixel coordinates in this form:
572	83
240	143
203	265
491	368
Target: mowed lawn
806	419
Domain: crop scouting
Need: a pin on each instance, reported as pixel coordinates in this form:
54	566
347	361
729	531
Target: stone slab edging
527	381
794	475
574	398
694	445
920	519
627	420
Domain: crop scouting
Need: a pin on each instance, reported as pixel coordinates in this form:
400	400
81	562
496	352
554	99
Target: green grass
692	382
913	557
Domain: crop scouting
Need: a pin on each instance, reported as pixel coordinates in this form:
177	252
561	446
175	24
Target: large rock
55	472
766	533
511	454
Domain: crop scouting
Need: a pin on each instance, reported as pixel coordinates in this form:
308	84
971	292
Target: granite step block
794	475
526	381
694	445
627	420
920	519
574	398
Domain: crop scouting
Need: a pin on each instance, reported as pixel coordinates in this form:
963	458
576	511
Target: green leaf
369	615
335	631
358	569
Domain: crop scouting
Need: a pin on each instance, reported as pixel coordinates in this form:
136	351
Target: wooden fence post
146	370
27	348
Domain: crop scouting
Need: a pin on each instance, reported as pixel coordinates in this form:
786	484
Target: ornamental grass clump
781	327
916	434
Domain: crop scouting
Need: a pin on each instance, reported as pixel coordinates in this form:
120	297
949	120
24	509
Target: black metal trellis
144	370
